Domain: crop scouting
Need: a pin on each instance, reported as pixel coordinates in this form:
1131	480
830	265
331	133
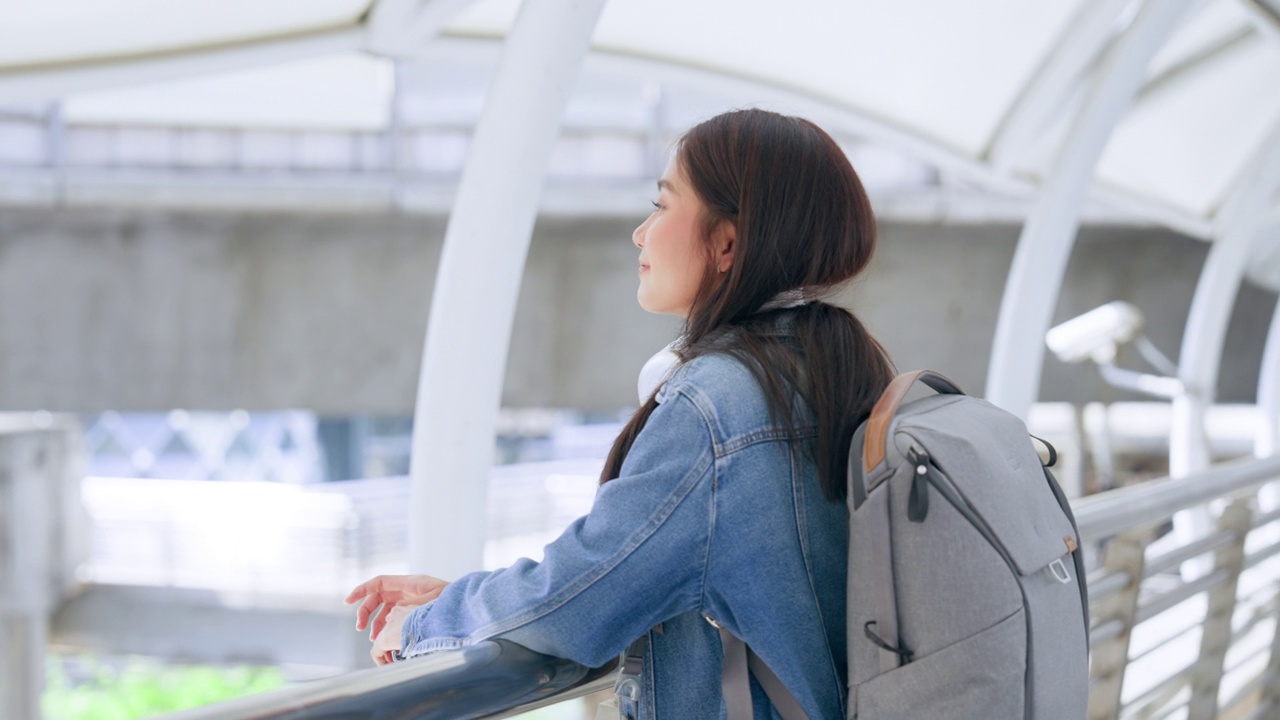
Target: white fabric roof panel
947	70
950	72
67	31
1186	143
1211	25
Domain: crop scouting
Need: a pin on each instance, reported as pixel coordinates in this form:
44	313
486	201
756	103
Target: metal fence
1183	627
1186	627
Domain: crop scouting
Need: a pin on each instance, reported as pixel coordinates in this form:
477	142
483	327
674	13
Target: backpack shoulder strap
739	663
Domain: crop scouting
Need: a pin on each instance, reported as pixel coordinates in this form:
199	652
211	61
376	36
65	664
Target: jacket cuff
410	635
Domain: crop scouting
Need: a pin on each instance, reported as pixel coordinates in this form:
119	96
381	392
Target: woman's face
673	259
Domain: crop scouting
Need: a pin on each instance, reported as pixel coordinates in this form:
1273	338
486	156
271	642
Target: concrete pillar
40	544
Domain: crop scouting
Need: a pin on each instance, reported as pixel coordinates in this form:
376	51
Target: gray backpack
967	595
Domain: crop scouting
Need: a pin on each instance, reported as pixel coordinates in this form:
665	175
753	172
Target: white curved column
1239	222
1050	90
1035	279
398	28
1268	439
473	306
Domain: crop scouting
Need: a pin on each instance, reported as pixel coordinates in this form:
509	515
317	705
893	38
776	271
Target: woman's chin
645	304
649	305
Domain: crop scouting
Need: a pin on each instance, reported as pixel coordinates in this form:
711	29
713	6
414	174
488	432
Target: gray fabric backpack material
967	597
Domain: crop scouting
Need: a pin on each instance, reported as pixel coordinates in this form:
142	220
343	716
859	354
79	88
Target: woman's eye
655	204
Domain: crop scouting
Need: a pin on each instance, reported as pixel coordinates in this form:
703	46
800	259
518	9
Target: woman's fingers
384	595
387	590
379	622
356	593
365	588
381	585
389	626
423	599
368	609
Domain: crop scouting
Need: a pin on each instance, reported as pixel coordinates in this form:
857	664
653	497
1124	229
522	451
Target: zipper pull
918	501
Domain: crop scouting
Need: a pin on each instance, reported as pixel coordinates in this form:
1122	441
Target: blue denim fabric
712	516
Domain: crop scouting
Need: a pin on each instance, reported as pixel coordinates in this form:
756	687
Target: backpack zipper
918	501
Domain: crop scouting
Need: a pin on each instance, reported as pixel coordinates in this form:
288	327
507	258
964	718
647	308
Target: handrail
1105	514
498	678
482	680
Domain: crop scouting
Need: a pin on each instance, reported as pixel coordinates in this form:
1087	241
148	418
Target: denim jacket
713	516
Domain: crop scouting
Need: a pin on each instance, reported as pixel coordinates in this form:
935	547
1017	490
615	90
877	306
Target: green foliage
139	688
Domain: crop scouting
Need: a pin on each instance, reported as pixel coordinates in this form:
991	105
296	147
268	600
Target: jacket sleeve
635	560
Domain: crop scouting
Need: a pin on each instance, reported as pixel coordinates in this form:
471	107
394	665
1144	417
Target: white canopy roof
66	32
987	91
982	88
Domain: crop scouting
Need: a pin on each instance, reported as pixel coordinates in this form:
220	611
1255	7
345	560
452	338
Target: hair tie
788	299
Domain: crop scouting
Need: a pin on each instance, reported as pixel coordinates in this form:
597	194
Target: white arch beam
1265	18
1050	89
396	28
474	301
1202	341
56	81
1222	50
1267	442
1035	279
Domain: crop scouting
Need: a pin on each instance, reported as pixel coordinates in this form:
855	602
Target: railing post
1269	700
1125	554
1216	637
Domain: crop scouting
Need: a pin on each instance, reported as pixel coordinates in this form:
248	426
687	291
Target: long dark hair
803	222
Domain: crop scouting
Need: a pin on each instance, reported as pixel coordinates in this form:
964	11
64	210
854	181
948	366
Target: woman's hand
380	596
388	643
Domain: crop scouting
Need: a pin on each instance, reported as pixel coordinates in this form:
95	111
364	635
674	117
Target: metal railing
1167	641
1186	627
494	678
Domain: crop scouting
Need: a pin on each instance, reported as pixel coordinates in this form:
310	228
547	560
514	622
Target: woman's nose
637	235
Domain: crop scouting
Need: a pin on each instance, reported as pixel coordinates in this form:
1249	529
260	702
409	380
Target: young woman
722	499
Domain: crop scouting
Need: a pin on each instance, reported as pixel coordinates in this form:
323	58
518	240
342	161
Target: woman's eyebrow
666	185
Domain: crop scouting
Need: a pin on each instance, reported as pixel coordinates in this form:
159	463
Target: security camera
1096	334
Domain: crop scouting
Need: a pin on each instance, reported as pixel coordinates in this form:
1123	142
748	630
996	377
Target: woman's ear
723	242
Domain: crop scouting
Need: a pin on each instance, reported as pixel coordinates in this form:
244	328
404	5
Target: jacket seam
711	532
755	437
728	446
802	521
